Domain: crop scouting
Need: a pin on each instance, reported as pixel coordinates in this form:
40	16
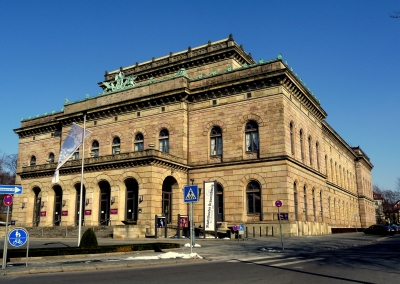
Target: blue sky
347	52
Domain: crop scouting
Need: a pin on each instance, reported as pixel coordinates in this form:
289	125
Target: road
378	262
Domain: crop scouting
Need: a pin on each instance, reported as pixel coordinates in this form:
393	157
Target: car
380	230
396	228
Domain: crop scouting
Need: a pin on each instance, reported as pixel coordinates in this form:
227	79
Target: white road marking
294	262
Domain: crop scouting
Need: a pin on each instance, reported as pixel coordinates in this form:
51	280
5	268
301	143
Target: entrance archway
37	206
220	203
57	205
167	197
132	193
104	213
78	210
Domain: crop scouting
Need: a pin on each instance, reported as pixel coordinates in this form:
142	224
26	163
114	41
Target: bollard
272	230
247	232
254	232
260	231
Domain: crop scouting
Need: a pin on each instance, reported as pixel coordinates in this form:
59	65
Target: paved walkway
210	250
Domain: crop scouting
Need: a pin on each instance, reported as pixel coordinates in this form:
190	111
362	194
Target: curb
58	269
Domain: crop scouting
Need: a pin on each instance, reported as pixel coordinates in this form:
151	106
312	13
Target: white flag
70	145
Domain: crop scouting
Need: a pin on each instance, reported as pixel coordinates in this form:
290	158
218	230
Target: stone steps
68	232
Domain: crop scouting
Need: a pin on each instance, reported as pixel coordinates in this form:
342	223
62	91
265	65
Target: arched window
220	203
291	138
313	205
301	145
95	149
251	133
163	140
305	203
75	155
253	194
296	209
317	154
216	141
116	146
139	142
32	161
321	205
51	158
310	150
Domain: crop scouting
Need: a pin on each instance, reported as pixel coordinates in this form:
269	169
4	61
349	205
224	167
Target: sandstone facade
253	127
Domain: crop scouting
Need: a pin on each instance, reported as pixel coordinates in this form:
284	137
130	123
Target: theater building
208	113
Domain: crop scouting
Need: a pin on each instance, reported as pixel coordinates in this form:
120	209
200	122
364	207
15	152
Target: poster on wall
184	222
64	213
160	222
209	206
43	214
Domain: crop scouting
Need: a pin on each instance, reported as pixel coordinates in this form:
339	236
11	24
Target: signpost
278	204
191	195
10	189
7	200
17	238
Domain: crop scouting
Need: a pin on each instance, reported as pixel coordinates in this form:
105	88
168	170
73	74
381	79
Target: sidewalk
209	250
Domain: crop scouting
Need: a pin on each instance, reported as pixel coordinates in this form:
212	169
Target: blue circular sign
278	203
18	237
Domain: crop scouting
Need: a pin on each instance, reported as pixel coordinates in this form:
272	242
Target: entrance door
220	203
132	190
104	216
77	210
57	205
37	206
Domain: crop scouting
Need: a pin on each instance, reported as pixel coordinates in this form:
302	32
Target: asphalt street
265	252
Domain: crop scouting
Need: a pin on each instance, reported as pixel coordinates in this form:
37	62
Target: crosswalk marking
274	260
257	258
294	262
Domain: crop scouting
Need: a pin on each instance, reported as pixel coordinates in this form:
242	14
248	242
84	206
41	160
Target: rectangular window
139	146
162	109
216	146
214	102
138	113
164	145
248	95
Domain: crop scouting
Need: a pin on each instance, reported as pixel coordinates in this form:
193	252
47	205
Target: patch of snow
168	255
195	245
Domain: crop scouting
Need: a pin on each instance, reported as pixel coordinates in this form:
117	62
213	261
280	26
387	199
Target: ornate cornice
119	161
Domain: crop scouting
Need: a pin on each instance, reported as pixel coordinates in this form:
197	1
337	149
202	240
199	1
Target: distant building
206	113
379	215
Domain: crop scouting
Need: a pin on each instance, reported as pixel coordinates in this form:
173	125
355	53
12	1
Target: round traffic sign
8	199
278	203
18	237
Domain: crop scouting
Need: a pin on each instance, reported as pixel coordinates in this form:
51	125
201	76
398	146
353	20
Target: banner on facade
209	206
70	145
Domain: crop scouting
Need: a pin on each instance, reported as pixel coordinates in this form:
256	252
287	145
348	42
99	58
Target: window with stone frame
163	141
291	138
32	162
301	145
251	134
139	142
116	146
95	149
75	155
296	207
51	157
253	196
216	141
310	150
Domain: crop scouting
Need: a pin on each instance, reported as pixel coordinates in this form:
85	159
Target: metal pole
5	240
280	226
81	190
191	228
27	251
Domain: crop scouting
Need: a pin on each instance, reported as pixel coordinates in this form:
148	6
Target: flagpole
81	190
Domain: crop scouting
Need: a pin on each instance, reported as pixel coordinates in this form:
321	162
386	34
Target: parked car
380	230
396	228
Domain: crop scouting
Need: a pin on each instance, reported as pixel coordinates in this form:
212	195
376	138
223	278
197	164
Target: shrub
89	239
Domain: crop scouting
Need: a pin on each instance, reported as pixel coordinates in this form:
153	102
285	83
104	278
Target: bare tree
389	202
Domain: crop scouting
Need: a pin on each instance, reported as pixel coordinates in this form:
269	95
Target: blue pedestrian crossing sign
190	193
18	237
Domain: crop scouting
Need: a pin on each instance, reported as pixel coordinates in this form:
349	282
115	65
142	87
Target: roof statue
121	82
